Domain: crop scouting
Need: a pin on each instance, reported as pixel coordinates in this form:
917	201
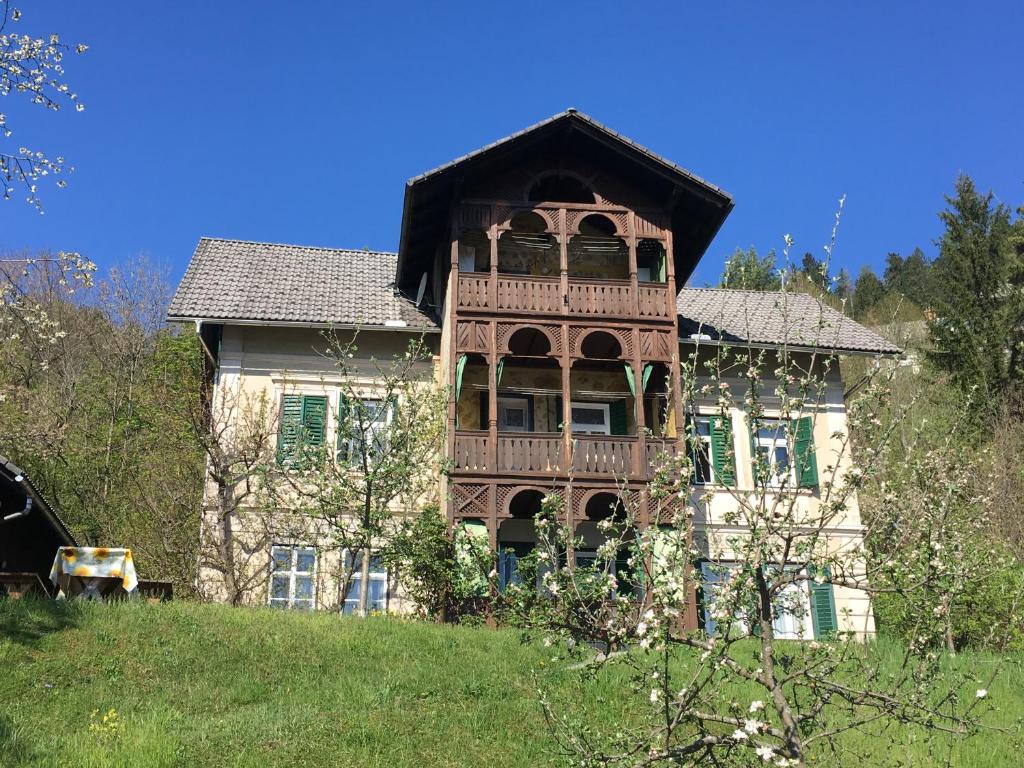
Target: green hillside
202	685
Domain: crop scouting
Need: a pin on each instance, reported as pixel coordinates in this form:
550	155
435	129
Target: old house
546	271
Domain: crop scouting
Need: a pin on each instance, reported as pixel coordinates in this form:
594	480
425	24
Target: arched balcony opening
470	380
598	507
560	188
656	383
527	248
529	342
651	262
517	537
601	345
597	251
474	251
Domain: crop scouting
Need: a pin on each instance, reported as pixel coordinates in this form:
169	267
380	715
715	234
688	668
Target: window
700	451
801	611
303	425
712	454
771	445
591	418
291	576
513	414
365	424
771	450
377	592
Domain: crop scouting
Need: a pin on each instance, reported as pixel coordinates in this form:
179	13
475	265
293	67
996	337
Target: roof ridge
296	245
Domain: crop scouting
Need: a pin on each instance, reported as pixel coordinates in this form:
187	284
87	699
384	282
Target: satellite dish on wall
421	290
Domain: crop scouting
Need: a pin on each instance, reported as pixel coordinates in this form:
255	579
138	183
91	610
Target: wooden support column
453	282
563	260
492	400
634	288
639	468
492	282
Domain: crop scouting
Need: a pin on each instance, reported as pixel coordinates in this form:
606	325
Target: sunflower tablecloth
91	564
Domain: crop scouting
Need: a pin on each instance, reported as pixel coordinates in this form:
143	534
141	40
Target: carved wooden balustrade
543	295
540	454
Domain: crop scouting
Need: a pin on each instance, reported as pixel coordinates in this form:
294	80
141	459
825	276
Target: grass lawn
203	685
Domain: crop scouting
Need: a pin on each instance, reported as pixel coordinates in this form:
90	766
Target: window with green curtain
648	370
499	371
803	447
723	452
823	604
460	369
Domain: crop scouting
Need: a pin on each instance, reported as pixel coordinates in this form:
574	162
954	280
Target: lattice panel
470	500
505	330
655	345
573	219
474	216
578	333
473	337
662	512
649	225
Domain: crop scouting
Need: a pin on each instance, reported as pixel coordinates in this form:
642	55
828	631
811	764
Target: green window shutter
803	447
723	452
499	369
648	370
314	419
290	427
617	417
823	606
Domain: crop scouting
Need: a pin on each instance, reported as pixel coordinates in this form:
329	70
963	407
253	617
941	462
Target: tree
383	464
867	292
815	271
748	271
93	387
736	693
32	67
910	277
240	517
978	330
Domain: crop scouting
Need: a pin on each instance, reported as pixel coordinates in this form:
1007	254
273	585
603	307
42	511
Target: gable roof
773	318
696	207
294	285
14	481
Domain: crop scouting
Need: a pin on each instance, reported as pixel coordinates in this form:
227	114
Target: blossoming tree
774	674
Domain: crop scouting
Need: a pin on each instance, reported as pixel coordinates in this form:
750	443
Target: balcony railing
588	297
540	453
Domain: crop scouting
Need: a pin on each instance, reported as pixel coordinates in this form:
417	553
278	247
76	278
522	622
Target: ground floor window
292	576
377	592
804	610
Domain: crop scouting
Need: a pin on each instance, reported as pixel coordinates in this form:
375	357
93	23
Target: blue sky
301	122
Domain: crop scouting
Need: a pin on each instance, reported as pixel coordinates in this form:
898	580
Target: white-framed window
373	415
701	451
791	609
292	576
771	446
513	414
591	418
377	594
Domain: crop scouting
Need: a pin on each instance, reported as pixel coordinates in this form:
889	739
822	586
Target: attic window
560	189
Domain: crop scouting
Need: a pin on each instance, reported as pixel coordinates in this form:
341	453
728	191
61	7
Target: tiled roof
238	280
773	318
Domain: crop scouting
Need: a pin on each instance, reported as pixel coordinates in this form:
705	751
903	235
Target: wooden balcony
590	297
540	454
